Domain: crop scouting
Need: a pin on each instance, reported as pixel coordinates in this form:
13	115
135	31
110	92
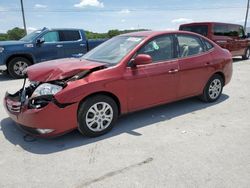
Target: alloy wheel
99	116
215	89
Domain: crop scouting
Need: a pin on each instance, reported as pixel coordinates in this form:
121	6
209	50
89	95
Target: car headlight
1	49
46	89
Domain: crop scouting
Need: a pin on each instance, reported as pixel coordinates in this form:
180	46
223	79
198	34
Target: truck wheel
213	89
247	54
97	115
16	67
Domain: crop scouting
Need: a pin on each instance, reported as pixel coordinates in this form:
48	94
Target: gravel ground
183	144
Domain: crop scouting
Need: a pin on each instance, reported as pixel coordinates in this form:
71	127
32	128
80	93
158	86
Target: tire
213	89
247	54
16	67
97	115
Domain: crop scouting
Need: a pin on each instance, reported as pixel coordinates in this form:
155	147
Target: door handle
207	63
59	46
173	71
82	44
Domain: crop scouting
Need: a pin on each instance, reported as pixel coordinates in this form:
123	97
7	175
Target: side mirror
40	41
142	59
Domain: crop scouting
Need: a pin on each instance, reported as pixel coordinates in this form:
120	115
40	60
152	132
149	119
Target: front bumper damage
42	116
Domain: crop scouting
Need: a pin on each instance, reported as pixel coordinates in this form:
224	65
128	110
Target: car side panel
152	84
194	73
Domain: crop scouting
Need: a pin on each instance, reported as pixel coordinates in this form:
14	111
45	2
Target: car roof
155	33
207	23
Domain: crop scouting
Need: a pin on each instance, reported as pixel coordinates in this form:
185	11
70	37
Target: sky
103	15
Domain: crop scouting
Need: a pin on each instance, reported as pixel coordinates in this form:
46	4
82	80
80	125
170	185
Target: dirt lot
184	144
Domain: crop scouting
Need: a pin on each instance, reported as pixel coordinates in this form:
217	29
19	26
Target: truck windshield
31	36
113	50
200	29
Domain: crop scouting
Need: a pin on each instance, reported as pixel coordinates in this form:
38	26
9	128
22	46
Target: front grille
13	106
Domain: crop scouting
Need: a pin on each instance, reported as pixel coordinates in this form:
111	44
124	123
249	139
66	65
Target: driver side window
51	36
160	49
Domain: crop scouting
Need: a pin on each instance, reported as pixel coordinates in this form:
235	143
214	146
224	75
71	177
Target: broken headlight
46	89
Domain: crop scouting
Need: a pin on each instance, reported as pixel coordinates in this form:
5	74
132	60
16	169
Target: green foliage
110	33
113	33
3	36
92	35
17	33
13	34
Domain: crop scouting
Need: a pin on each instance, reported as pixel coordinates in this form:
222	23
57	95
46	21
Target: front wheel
97	115
247	54
16	67
213	89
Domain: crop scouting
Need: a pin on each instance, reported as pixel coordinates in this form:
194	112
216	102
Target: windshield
114	50
31	36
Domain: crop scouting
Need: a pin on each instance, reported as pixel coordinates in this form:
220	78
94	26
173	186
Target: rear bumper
58	119
228	72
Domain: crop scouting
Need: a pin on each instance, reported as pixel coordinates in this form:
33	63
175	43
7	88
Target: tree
15	33
113	33
3	36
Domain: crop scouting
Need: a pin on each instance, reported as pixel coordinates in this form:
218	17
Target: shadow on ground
126	124
5	77
238	59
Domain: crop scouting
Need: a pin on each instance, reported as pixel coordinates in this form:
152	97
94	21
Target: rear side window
68	35
200	29
189	45
228	30
160	48
208	45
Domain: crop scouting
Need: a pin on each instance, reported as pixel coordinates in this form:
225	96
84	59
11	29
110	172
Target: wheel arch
27	56
106	93
220	74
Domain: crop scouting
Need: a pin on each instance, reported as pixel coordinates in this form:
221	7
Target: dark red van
229	36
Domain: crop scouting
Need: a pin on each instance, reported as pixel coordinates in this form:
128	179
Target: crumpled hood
59	69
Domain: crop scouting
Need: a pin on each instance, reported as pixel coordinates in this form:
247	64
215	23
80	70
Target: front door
51	48
155	83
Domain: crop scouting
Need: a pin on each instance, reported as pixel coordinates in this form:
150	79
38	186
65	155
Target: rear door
72	43
195	65
155	83
241	41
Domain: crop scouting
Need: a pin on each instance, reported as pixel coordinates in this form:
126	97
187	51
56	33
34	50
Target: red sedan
127	73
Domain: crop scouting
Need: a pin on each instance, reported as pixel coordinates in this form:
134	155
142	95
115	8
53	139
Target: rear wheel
213	89
16	67
247	54
97	115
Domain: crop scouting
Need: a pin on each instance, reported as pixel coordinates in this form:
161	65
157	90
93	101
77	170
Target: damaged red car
127	73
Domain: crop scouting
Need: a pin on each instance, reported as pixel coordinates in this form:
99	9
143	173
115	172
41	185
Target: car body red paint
133	88
59	69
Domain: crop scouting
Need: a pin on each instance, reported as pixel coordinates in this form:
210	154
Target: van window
228	30
189	45
241	32
68	35
200	29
